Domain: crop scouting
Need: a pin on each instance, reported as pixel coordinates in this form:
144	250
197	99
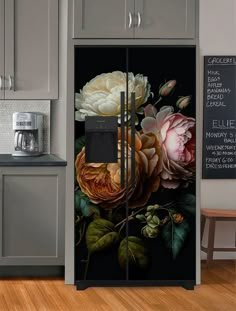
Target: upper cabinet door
103	18
31	49
1	49
165	19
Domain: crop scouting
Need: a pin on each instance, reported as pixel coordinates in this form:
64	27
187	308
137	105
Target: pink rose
177	135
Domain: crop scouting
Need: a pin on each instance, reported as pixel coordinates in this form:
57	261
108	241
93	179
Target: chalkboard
219	115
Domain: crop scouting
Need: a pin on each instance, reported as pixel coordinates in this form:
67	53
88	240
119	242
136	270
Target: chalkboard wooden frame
219	118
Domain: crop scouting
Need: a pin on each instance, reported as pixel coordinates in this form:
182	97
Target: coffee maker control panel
26	121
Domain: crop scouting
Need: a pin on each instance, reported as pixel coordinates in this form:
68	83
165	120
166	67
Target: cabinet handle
139	19
133	139
122	130
10	81
130	20
1	83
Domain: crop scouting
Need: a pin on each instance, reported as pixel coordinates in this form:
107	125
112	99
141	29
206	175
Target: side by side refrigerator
135	166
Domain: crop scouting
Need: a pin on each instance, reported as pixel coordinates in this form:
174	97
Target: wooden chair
214	215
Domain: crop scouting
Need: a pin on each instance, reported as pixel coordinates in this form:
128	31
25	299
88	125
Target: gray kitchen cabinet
169	19
32	216
1	49
102	18
31	49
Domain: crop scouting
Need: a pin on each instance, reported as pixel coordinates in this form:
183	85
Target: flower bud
178	218
150	208
152	224
167	88
183	102
140	217
149	232
156	220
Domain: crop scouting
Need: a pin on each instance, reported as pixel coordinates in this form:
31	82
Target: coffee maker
28	133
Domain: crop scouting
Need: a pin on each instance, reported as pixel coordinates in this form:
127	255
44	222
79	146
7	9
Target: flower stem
141	209
109	215
130	217
82	231
159	99
168	204
165	209
86	267
122	226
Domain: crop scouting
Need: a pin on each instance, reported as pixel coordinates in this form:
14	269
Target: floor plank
216	293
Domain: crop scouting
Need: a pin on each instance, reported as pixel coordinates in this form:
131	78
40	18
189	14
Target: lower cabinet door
32	217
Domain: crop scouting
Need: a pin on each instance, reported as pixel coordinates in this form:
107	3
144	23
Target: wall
6	132
217	36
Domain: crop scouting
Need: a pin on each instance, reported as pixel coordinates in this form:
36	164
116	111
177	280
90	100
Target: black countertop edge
41	160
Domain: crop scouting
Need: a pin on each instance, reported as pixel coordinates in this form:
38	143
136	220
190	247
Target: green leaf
93	209
79	144
77	201
187	202
100	235
175	235
84	206
137	253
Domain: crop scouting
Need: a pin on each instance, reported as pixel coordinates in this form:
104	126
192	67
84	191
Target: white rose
101	95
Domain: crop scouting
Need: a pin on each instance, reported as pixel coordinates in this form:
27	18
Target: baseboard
220	255
31	271
82	285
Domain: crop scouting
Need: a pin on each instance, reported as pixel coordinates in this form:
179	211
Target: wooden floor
217	292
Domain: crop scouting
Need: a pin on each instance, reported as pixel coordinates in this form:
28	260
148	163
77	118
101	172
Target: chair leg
211	239
235	239
203	222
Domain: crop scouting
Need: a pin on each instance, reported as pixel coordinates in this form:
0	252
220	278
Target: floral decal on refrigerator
164	163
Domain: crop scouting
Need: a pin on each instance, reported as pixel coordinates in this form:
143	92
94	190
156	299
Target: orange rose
101	181
147	159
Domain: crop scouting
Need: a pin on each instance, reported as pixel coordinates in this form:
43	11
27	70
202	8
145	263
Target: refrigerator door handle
122	138
133	117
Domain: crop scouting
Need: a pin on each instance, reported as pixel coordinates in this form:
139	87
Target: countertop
42	160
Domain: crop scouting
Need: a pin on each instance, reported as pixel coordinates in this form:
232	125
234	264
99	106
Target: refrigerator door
100	165
135	200
161	209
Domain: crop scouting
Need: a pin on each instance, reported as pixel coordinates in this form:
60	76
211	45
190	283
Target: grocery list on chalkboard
219	117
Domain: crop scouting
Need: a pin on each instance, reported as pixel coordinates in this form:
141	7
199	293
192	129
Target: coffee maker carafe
28	133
